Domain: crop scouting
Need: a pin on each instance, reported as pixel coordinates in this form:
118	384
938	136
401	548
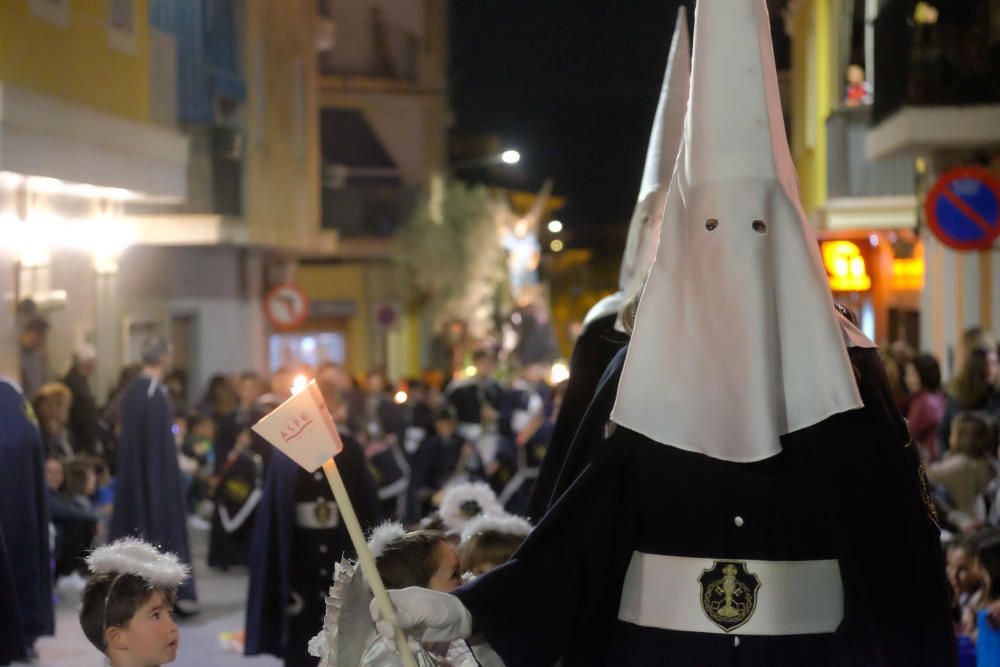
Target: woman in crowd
52	409
974	388
966	471
922	376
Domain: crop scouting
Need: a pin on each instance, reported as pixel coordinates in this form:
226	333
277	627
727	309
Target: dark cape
468	395
850	487
24	514
12	642
228	427
384	445
433	464
275	563
418	419
149	498
240	483
237	496
595	348
528	458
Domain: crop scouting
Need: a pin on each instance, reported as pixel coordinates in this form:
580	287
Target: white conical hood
736	340
661	153
664	140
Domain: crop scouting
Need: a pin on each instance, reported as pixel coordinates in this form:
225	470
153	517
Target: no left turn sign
286	306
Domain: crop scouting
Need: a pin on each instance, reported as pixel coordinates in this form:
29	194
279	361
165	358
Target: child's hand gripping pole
303	429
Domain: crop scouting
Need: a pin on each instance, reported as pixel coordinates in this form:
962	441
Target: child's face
992	367
961	571
205	430
54	474
447	576
249	390
151	637
445	427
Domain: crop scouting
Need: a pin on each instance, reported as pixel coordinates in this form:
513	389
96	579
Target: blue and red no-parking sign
963	209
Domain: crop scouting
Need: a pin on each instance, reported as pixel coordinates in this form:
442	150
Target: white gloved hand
425	614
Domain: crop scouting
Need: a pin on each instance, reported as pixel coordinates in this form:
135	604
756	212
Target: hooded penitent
736	340
668	128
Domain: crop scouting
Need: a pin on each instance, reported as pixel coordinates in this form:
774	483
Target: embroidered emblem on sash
729	594
323	512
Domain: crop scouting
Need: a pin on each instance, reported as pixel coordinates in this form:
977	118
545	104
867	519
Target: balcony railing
368	210
943	53
373	50
849	172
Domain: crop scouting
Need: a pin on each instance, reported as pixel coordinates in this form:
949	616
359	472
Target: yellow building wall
812	86
342	281
77	63
282	190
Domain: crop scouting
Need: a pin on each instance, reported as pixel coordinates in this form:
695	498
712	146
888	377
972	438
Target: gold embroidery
925	494
729	594
29	413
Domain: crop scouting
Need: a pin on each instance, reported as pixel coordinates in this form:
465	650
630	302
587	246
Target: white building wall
74	322
226	338
220	287
217	287
962	290
970	269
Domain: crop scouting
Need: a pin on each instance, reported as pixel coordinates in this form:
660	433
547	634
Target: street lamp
555	226
509	156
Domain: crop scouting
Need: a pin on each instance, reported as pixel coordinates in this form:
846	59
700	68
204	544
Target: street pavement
222	596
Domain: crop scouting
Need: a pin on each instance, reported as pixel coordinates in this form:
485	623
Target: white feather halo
383	535
130	555
507	524
463	502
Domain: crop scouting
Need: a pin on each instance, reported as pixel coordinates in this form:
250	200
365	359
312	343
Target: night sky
573	85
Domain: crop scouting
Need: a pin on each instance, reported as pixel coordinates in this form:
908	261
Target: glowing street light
555	226
556	245
510	157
